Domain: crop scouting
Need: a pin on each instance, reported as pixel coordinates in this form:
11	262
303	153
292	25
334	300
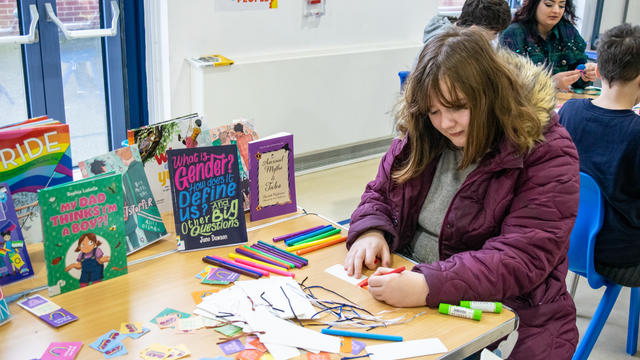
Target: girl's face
549	12
453	123
87	245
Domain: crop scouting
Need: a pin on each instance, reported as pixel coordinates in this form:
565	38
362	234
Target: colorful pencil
308	235
233	268
290	265
255	256
287	236
230	262
313	243
365	282
361	335
317	237
284	251
267	268
279	254
320	246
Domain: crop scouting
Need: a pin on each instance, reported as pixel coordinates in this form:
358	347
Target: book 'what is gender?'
14	258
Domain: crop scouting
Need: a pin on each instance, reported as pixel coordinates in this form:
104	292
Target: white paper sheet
338	271
406	349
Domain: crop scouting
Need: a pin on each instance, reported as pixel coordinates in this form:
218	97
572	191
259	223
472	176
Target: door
62	58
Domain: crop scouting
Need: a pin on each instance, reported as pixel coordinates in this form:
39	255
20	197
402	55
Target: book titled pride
84	232
207	200
272	176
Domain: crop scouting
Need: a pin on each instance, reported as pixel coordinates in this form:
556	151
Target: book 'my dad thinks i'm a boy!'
84	236
207	199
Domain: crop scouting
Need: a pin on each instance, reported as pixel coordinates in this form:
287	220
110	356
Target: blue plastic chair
581	255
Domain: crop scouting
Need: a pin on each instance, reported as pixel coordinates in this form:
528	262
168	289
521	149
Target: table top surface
167	281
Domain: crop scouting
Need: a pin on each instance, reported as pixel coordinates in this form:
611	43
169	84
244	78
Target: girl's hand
370	245
589	73
406	289
564	79
73	266
104	259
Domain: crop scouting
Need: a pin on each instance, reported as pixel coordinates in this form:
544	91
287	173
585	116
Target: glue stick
460	311
484	306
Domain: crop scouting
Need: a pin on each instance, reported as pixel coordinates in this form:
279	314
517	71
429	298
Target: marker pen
460	311
484	306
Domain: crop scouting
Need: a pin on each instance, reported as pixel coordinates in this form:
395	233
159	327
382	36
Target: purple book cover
272	176
14	258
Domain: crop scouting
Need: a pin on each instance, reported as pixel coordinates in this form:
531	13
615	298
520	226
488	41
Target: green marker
484	306
460	311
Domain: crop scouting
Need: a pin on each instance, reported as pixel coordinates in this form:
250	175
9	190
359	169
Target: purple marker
283	237
286	253
278	254
256	257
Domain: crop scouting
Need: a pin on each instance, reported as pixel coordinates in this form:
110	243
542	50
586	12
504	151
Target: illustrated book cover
142	221
272	176
239	132
34	154
153	142
207	201
14	258
84	232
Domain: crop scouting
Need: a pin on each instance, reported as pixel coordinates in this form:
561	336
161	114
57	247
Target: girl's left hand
589	73
406	289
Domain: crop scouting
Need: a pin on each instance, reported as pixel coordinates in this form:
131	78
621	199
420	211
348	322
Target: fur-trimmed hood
536	80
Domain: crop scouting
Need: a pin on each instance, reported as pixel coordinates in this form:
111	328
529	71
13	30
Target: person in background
482	189
607	134
543	31
488	16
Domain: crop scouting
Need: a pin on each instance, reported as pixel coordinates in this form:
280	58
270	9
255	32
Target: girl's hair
91	237
463	64
96	166
527	13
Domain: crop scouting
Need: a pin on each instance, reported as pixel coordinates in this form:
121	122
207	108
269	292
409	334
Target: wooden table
168	280
564	96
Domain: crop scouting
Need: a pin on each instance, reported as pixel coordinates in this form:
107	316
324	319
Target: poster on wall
239	5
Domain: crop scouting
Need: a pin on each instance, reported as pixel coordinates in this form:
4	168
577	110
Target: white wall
195	29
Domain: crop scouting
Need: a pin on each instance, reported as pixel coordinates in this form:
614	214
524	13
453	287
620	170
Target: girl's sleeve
374	210
513	38
534	235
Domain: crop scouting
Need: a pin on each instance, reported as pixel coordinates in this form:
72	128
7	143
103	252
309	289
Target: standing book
272	176
239	132
142	220
34	154
14	258
207	201
153	142
84	232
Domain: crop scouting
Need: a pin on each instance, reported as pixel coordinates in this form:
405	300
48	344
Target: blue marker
361	335
581	67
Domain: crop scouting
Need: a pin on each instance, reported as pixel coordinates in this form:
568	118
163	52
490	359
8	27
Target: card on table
62	351
47	311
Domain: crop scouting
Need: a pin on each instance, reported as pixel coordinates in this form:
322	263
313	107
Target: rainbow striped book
34	154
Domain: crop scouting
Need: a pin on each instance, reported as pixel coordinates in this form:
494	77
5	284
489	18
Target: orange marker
365	282
320	246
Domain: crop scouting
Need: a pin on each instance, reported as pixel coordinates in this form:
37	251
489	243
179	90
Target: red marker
365	282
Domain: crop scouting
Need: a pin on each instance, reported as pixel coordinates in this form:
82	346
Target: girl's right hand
564	79
369	246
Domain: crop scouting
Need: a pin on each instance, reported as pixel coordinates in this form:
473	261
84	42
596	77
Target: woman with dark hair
544	31
481	189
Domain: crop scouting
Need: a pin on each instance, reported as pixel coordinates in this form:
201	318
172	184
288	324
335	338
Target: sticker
138	335
61	351
357	346
168	321
168	311
249	355
228	330
345	344
131	328
199	295
231	347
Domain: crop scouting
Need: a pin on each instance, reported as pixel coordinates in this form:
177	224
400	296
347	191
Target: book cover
14	258
142	221
272	176
239	132
207	202
153	142
34	154
84	232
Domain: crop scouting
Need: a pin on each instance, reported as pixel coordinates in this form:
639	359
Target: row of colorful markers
261	258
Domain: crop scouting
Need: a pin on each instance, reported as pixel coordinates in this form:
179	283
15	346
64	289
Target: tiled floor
336	192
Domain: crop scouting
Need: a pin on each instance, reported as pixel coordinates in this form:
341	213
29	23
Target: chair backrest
586	228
